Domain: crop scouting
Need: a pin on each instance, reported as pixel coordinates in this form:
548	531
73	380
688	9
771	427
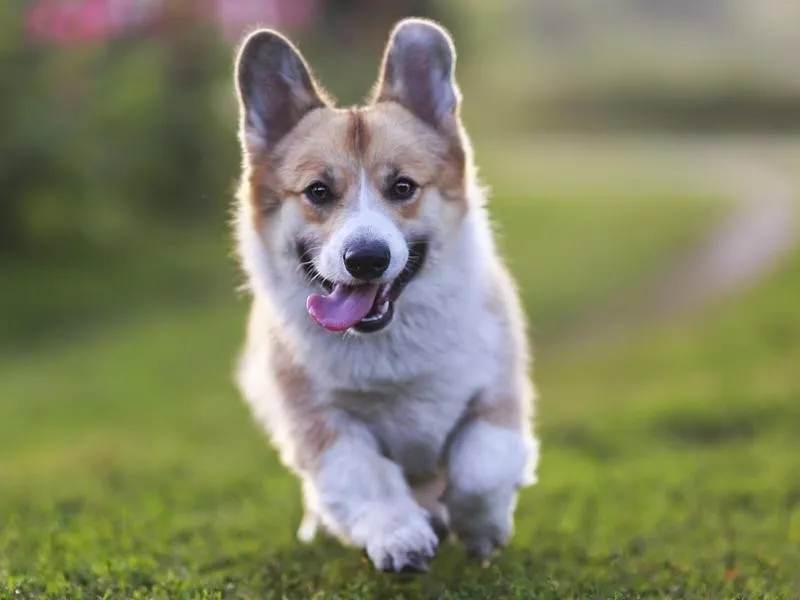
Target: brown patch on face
452	180
359	133
311	434
410	210
320	148
261	191
399	143
315	150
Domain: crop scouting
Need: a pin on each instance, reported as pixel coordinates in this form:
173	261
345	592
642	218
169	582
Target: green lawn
129	468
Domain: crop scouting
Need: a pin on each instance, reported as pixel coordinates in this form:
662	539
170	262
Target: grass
129	468
54	299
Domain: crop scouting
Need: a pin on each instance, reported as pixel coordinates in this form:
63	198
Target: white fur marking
363	497
485	456
363	196
368	221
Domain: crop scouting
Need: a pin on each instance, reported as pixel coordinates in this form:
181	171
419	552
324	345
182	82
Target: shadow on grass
732	423
583	441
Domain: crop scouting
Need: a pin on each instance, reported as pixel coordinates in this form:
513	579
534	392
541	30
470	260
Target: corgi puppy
386	353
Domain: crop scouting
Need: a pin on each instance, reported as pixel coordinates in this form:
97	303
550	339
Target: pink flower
235	17
87	21
68	22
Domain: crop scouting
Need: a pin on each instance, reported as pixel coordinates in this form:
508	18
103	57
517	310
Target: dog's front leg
363	497
491	455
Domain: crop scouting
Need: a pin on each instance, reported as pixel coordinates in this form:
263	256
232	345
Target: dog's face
349	203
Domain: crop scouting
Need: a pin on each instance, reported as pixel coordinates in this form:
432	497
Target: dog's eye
318	193
402	189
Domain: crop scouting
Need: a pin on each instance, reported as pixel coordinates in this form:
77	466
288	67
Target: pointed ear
276	89
418	71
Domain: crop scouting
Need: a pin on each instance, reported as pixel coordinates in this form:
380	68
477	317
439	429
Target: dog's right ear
275	87
418	72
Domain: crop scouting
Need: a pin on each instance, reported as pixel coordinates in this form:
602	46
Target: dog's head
349	203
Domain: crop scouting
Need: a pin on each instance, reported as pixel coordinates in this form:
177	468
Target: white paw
483	523
308	528
400	541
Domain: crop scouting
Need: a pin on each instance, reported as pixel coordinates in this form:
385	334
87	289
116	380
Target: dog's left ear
418	72
276	89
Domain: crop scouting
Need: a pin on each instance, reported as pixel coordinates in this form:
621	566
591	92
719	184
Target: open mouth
365	308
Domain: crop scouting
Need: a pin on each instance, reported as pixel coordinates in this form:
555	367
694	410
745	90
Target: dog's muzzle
366	307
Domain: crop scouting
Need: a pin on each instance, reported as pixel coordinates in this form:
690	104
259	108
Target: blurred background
644	161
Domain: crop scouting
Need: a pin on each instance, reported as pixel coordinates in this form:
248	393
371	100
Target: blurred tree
101	139
115	120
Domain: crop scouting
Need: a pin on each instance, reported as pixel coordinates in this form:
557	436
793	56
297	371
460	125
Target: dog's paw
481	545
440	527
483	524
403	545
308	528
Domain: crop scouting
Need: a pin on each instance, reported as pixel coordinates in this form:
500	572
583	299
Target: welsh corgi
386	352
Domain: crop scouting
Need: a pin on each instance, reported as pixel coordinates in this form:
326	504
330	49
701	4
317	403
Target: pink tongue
343	307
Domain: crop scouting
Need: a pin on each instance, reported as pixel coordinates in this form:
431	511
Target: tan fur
309	431
261	190
503	411
312	433
503	408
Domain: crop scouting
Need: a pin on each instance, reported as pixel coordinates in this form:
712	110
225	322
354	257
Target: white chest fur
411	385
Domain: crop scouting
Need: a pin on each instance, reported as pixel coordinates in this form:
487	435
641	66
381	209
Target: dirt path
751	240
747	245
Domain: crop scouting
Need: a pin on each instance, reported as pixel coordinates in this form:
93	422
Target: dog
386	354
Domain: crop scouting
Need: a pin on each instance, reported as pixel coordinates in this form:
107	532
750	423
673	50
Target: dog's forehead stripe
358	135
352	132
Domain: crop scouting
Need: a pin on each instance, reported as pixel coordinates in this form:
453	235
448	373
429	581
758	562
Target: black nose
367	260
